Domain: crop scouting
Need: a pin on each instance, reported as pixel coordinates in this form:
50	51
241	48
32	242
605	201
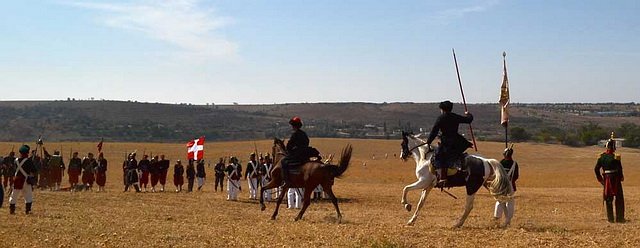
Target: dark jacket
191	172
200	170
178	170
447	125
297	144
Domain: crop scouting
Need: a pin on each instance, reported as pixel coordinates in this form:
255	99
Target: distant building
619	142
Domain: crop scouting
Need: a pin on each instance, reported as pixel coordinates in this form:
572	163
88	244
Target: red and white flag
195	149
504	95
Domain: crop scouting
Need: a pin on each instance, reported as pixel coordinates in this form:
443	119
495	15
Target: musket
464	101
447	192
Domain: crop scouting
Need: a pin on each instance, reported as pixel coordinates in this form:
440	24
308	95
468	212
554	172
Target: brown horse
308	176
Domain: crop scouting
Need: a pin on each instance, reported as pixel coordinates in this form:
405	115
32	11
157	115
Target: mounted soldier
298	150
452	144
610	165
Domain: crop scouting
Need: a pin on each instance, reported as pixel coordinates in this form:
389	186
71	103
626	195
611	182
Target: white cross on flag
195	149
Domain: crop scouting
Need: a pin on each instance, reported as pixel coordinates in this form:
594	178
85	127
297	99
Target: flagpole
475	147
506	125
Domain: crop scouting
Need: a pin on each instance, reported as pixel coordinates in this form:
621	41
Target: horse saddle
456	165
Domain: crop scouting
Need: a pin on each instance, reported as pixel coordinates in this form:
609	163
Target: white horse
479	172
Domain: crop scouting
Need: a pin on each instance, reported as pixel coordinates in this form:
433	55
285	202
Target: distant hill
155	122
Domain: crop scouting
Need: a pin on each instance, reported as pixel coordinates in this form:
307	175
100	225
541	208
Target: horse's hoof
456	226
273	218
407	207
263	207
410	223
296	219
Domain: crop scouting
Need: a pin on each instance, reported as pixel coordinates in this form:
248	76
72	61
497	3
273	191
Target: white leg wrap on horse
511	208
497	212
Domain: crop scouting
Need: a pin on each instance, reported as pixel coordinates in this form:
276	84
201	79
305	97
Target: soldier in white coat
252	176
267	166
234	171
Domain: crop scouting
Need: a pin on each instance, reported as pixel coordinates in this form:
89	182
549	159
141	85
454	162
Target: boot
12	208
137	188
27	209
609	206
620	209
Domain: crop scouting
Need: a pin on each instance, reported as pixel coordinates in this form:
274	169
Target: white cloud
448	15
185	24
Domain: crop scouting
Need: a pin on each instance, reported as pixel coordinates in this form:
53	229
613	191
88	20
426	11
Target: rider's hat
295	121
447	106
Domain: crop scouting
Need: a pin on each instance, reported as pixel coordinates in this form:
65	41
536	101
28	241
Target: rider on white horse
452	144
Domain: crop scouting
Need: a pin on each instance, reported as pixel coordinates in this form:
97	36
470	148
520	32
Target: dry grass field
558	204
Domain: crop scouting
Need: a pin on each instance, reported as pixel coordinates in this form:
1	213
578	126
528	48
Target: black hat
447	106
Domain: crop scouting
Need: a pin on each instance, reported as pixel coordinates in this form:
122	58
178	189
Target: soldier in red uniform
178	175
75	167
609	173
89	164
144	169
101	172
154	171
24	180
163	165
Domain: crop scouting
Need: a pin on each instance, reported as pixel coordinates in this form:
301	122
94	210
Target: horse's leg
306	201
327	189
275	212
420	184
467	209
423	197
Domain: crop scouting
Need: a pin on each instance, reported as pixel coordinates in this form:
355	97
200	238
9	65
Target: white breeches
318	189
499	209
267	193
200	181
232	191
294	198
28	194
253	185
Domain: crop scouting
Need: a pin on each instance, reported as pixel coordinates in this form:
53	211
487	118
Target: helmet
447	106
611	143
295	121
508	152
24	149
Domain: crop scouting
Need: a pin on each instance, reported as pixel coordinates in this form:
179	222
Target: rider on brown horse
296	148
452	144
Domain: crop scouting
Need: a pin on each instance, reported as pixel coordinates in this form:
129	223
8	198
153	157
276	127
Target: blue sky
250	51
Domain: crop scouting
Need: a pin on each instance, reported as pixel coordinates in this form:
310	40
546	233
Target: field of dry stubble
558	204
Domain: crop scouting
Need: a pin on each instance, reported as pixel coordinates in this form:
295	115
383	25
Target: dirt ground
558	204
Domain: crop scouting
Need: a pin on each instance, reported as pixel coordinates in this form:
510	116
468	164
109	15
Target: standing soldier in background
219	169
88	169
24	180
611	178
144	166
164	165
75	167
132	173
200	174
56	167
154	171
511	167
191	175
251	175
178	175
9	164
234	172
37	163
266	167
101	172
43	174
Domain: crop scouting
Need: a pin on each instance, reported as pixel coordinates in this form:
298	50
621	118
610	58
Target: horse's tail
342	166
500	188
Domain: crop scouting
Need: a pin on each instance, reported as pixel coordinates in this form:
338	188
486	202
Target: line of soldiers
50	170
137	174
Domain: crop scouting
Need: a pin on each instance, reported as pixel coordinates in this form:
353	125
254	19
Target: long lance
475	146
